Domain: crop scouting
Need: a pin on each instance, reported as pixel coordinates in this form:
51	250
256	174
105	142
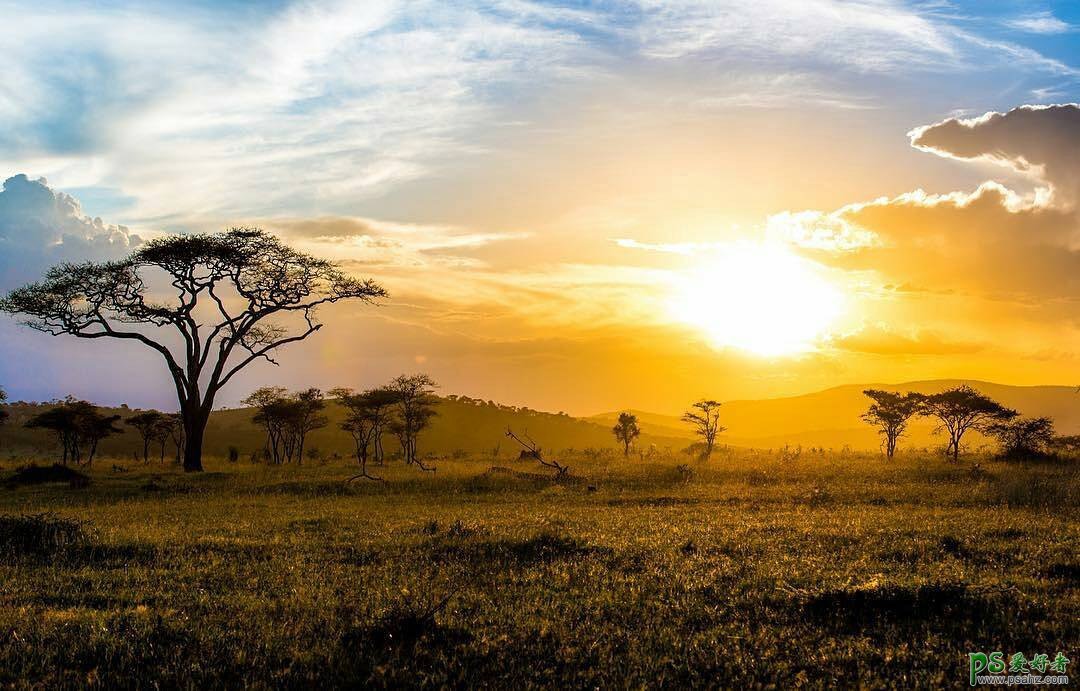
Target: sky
574	206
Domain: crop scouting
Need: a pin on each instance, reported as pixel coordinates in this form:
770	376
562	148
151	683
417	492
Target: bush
38	535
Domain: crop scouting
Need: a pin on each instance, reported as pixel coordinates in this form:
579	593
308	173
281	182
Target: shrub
38	535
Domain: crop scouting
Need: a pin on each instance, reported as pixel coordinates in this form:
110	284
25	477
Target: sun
761	298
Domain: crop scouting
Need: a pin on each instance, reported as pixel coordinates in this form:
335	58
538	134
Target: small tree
705	417
3	400
890	413
234	298
60	420
78	425
1023	437
93	427
266	401
365	415
961	409
148	425
414	407
626	430
306	417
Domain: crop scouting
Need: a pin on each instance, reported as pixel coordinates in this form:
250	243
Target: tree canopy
209	304
890	413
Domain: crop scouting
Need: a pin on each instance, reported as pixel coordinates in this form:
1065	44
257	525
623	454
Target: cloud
40	226
866	36
1018	250
1041	141
880	340
1038	23
212	111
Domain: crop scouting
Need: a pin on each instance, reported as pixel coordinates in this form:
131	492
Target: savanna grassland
754	569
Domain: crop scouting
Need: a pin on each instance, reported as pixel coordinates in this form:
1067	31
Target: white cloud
1039	23
40	226
869	36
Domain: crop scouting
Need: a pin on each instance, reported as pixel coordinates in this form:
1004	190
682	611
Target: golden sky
575	208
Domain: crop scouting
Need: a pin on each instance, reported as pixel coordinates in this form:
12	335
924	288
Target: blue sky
126	102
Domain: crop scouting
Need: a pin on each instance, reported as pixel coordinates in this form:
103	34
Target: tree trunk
194	429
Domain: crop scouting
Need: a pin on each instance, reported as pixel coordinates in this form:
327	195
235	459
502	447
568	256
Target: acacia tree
890	413
148	424
626	430
266	402
78	426
960	409
168	428
1019	437
3	400
705	417
365	416
233	298
414	406
306	417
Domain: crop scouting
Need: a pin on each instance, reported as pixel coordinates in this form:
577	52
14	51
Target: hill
830	418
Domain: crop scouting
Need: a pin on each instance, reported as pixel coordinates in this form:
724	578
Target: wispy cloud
1038	23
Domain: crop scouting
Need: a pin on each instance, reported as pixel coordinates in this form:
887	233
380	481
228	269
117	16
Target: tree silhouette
705	417
890	413
961	409
414	406
148	424
78	426
1020	437
626	430
366	414
234	297
307	416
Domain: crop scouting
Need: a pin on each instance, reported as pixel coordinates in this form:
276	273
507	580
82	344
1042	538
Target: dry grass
751	570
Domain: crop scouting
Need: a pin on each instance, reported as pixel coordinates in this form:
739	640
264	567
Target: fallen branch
534	450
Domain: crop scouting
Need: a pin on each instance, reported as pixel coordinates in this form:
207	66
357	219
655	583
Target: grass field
751	570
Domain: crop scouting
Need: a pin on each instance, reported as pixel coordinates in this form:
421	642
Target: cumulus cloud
992	242
1042	141
40	225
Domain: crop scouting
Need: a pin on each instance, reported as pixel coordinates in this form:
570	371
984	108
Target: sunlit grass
762	568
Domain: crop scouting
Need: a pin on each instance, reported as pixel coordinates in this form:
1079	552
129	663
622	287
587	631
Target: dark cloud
1041	140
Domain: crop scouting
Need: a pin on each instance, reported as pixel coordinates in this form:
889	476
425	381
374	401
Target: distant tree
890	413
228	295
3	401
626	430
307	416
78	425
60	420
961	409
364	416
368	414
267	402
414	407
1023	437
168	427
94	427
148	425
705	417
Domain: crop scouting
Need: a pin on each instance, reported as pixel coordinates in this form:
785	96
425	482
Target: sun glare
760	298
